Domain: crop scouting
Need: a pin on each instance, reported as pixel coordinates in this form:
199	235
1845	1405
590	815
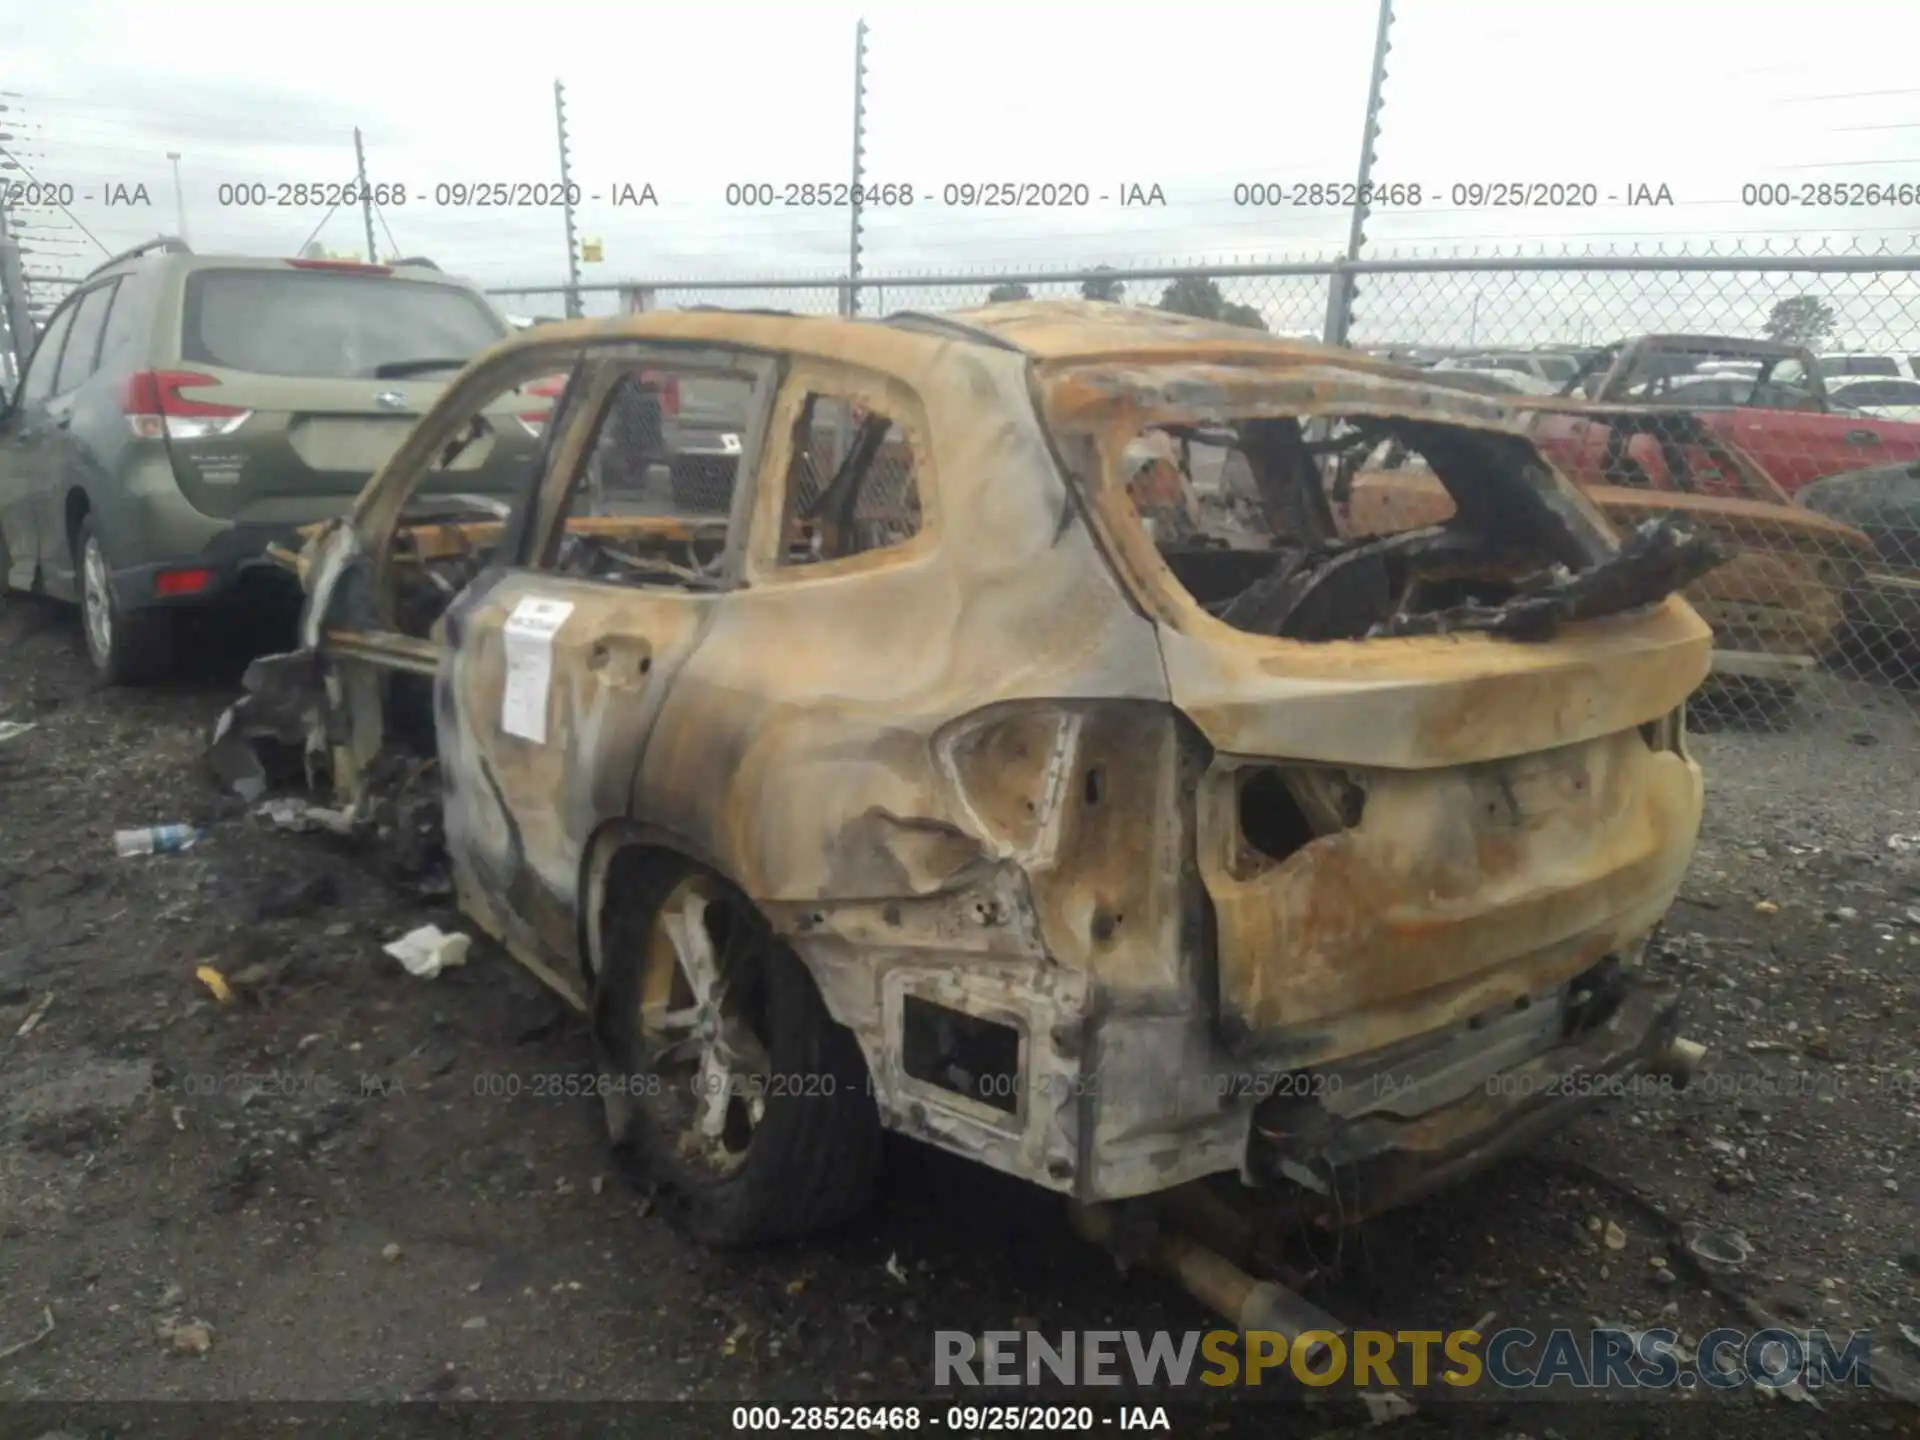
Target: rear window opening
338	325
1255	518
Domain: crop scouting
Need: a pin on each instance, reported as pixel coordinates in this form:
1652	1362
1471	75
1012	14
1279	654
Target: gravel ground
351	1184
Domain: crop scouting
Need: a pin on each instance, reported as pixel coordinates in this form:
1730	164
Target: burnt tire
127	647
813	1156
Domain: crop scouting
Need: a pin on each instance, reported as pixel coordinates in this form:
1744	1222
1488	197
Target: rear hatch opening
1251	515
1429	792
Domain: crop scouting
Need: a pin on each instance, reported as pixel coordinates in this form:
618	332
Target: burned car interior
1245	515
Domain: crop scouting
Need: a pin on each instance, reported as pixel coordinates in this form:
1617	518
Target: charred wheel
728	1082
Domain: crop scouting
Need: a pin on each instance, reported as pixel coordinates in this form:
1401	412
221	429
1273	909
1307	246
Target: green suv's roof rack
166	244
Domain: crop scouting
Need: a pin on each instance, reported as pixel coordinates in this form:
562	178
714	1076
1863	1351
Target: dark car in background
1883	503
182	412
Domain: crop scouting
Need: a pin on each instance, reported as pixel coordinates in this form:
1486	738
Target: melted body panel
1460	889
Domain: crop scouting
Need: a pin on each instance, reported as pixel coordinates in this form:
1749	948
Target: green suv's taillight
155	408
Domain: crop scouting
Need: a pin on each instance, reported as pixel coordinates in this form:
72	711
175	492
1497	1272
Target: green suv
182	412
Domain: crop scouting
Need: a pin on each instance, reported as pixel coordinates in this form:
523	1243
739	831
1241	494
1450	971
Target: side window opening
652	505
127	323
869	501
38	384
83	341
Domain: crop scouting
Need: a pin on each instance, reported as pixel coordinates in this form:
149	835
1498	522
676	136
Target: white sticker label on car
730	444
529	634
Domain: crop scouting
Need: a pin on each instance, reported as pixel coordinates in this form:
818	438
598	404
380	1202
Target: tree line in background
1195	295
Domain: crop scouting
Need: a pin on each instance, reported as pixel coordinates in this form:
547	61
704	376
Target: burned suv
1037	770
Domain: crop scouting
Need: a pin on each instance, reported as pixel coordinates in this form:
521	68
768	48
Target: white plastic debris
291	813
427	951
155	840
12	729
1384	1406
285	811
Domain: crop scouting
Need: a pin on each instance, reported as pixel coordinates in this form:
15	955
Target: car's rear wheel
729	1083
126	646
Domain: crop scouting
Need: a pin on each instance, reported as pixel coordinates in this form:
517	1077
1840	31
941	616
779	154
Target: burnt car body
1776	603
1883	503
1777	409
1117	834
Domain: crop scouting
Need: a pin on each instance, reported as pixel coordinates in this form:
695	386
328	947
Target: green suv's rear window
328	324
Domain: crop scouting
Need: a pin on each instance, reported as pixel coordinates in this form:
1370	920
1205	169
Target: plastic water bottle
155	839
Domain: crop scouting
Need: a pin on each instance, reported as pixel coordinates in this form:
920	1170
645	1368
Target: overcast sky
1700	97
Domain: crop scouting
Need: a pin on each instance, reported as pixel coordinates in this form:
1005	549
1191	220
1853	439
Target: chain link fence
1769	402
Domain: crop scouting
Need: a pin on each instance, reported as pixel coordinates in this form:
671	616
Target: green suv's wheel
741	1095
125	646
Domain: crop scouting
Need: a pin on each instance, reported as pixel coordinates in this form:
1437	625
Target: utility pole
13	296
366	195
859	163
1341	291
574	307
180	196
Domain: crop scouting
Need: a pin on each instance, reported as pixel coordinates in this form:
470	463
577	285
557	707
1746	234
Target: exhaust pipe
1219	1284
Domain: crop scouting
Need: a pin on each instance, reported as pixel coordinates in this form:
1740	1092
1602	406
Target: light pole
179	195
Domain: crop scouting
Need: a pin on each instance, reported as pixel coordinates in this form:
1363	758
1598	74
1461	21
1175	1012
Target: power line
381	211
34	179
1848	164
318	228
1847	95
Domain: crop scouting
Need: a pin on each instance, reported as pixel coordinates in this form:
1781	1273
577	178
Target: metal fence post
366	195
859	162
1341	288
13	298
574	307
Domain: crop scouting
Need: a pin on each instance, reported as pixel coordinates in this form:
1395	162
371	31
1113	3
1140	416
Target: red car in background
1764	397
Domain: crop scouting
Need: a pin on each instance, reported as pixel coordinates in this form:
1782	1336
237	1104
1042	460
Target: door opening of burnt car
1252	517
